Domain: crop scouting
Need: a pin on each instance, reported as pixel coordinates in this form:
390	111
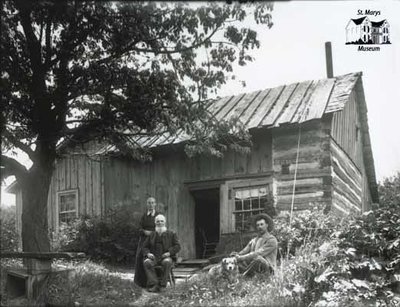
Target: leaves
147	52
111	238
8	232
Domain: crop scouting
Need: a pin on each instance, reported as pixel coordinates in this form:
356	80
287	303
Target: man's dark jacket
170	244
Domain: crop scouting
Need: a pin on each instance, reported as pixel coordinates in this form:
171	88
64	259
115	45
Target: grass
92	284
298	281
286	288
81	284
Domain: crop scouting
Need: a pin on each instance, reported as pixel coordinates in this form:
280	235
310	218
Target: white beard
161	229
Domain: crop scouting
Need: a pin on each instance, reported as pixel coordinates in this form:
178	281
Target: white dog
227	269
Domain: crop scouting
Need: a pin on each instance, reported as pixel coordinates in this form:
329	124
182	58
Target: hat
267	218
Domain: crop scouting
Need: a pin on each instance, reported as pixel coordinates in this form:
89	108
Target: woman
147	226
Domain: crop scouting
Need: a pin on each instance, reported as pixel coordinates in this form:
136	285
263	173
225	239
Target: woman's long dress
146	223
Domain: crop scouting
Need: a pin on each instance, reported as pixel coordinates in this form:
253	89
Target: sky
293	50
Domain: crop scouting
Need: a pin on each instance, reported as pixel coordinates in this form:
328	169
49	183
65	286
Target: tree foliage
115	67
8	231
113	71
389	191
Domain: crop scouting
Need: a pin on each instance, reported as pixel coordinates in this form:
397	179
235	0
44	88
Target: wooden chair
208	247
170	277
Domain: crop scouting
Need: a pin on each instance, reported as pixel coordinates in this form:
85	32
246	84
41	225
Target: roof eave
367	149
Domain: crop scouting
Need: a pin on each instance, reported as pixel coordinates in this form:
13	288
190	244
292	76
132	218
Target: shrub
112	238
366	268
389	191
307	225
8	231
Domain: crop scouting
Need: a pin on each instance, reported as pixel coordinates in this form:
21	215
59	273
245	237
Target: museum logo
366	33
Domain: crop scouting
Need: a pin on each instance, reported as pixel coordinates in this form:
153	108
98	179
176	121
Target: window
249	201
67	206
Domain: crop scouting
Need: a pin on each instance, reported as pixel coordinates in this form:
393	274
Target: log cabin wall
347	182
351	188
313	180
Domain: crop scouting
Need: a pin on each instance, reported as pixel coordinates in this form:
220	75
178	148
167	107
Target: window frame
233	185
58	203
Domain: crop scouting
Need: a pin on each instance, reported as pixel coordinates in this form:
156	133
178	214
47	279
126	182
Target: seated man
160	248
260	253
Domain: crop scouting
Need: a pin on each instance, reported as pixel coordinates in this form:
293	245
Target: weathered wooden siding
81	173
313	179
133	182
347	182
348	133
169	178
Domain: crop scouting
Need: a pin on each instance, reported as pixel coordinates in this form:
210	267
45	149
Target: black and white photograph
221	153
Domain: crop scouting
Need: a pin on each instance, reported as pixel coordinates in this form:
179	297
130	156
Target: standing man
147	226
260	253
159	249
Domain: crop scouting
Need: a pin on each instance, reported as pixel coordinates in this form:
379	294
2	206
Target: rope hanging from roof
294	187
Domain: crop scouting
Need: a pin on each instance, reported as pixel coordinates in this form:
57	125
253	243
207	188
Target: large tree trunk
35	187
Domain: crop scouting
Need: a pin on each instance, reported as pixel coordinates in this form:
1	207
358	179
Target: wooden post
329	63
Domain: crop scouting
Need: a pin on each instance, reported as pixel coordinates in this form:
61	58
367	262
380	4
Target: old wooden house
310	144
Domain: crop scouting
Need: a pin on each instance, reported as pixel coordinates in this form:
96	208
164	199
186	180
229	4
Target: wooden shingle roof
273	107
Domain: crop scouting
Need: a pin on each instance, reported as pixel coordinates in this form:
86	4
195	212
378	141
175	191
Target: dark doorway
206	221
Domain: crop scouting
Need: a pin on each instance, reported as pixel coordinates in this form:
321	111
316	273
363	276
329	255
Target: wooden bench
30	279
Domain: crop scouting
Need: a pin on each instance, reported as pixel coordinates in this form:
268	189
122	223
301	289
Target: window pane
67	202
256	204
242	194
238	205
254	193
67	217
246	204
263	202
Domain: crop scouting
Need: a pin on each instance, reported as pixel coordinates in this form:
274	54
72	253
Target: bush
112	238
389	191
366	266
8	231
307	225
332	262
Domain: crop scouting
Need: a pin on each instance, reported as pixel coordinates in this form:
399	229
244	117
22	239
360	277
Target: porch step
184	273
186	268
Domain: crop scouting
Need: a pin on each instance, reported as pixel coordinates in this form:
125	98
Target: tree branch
10	167
17	143
130	48
31	39
48	40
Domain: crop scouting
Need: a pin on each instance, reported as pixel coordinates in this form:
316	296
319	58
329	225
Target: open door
207	214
